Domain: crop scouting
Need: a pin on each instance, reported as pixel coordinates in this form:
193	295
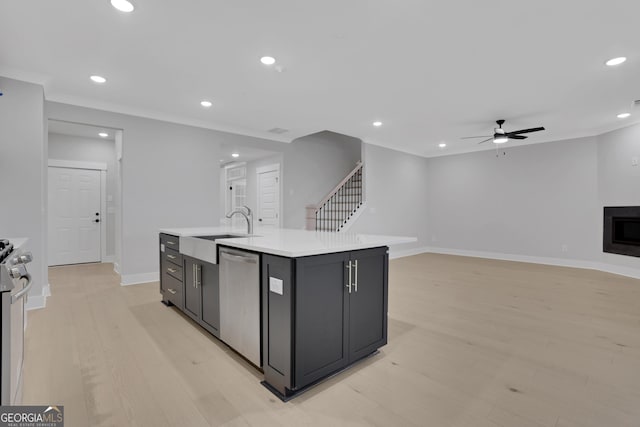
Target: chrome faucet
248	216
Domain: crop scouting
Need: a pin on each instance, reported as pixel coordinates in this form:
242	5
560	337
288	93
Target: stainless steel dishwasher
240	302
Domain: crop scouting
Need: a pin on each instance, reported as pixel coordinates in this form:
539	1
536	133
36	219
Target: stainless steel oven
15	283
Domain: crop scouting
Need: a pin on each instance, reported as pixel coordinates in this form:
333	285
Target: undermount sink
219	236
204	247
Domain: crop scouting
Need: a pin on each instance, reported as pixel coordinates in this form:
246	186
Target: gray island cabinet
202	294
321	314
171	280
190	284
322	297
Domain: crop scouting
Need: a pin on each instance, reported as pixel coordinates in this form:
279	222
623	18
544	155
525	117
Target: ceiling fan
500	136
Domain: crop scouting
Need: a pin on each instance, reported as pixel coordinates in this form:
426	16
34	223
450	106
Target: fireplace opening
626	230
622	230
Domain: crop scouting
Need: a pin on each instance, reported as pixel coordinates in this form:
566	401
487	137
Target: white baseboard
38	301
108	259
561	262
394	253
619	269
136	279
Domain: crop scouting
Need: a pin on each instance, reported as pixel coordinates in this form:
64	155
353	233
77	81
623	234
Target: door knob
97	213
260	219
96	220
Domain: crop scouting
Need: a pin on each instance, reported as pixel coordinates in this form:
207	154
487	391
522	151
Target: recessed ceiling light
268	60
442	145
98	79
122	5
235	155
377	124
206	104
103	134
616	61
623	115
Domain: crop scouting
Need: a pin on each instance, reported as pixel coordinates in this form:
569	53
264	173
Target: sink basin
219	236
203	247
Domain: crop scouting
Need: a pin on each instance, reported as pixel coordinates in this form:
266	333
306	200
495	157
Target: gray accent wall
396	201
76	148
543	201
22	166
536	200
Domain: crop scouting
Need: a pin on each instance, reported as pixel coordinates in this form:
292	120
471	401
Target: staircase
340	205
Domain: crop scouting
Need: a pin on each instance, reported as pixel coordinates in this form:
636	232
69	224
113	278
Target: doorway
84	188
268	204
75	212
251	177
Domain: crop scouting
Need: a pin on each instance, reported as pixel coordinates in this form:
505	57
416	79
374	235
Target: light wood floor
472	343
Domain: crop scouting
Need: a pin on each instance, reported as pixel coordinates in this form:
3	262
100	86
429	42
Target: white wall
619	181
395	197
22	166
67	147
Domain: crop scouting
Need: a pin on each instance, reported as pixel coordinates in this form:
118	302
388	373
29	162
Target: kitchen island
317	305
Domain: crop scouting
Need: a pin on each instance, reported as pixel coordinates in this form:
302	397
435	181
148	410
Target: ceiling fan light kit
500	136
500	139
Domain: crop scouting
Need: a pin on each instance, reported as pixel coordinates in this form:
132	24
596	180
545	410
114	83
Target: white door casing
268	206
74	200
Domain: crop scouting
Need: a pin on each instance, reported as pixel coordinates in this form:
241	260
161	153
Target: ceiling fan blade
517	137
515	132
471	137
488	139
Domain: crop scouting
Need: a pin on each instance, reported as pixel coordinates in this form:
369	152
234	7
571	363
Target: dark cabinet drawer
174	290
169	241
173	270
172	256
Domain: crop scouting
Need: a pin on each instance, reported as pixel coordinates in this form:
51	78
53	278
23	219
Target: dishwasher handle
239	258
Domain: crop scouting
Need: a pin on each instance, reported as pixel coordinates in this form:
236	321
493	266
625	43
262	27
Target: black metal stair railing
341	204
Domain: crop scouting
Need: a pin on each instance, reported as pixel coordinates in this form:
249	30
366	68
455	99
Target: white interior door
238	191
74	216
269	196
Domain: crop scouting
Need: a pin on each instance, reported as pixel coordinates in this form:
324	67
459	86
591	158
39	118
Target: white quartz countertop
292	243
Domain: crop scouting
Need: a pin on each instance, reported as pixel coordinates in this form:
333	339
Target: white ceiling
431	71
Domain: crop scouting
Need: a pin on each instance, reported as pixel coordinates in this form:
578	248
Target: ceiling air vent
278	130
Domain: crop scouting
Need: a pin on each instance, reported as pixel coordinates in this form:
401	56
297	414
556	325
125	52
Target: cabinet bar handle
171	256
169	242
349	283
197	274
193	274
171	270
171	290
355	282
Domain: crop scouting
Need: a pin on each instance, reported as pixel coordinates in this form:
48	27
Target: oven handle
24	290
